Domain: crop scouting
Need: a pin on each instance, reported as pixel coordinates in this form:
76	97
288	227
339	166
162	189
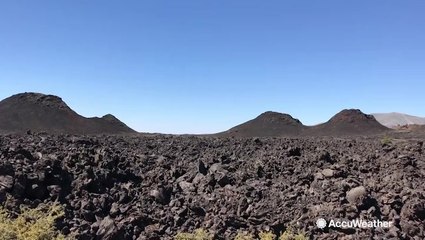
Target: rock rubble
152	187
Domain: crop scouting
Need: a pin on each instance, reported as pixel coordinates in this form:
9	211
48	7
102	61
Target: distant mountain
48	113
348	122
267	124
393	120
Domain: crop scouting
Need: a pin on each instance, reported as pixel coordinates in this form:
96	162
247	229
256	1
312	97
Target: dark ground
152	187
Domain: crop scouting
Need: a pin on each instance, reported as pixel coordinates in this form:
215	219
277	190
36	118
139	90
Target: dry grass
267	236
31	224
201	234
244	236
290	234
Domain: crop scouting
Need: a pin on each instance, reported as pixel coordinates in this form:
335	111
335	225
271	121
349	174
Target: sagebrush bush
31	223
386	140
244	236
199	234
289	234
267	236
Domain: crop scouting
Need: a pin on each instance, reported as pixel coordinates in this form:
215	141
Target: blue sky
205	66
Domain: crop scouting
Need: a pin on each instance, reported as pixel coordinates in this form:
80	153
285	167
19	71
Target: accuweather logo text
356	223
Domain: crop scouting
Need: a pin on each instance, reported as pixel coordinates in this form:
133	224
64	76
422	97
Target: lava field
155	186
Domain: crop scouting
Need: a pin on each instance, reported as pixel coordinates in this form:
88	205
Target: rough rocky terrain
39	112
151	187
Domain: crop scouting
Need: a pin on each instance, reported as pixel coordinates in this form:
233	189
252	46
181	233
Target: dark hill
47	113
348	122
267	124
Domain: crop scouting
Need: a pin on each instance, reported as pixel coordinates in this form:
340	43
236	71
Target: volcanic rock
162	195
107	229
356	195
328	172
151	187
6	182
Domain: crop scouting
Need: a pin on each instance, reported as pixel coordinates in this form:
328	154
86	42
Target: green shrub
386	140
31	224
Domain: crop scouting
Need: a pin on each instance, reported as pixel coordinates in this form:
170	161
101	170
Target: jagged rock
356	195
6	182
115	210
186	187
202	168
296	151
223	180
161	195
325	156
328	172
115	187
107	229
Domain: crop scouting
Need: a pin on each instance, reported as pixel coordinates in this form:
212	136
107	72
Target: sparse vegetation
31	223
386	140
244	236
201	234
225	192
289	234
267	236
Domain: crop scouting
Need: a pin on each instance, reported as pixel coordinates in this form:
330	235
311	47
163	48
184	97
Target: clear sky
205	66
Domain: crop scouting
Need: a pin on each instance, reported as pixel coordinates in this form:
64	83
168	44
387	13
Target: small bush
31	224
289	234
267	236
199	234
386	140
244	236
